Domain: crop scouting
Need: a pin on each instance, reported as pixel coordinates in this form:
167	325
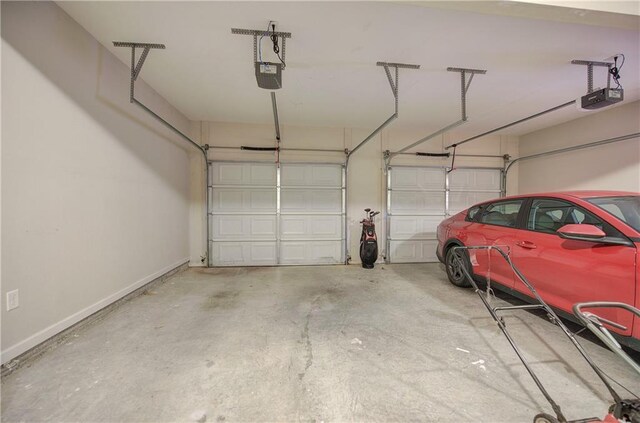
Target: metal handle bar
597	319
577	308
594	322
552	315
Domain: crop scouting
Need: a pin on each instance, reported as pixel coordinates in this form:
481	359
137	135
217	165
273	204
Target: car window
626	209
614	210
578	216
547	215
503	213
550	215
472	213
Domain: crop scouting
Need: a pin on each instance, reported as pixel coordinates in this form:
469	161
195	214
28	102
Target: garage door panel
292	175
243	253
311	175
228	227
293	226
319	200
459	201
227	200
413	251
317	252
262	200
410	202
407	227
226	174
262	175
256	174
475	180
262	226
239	200
417	178
310	227
330	176
238	227
326	226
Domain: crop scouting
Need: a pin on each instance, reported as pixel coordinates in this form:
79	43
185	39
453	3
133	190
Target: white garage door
419	198
311	208
261	215
242	214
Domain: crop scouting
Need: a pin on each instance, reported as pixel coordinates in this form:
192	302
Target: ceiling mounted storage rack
136	68
393	83
464	88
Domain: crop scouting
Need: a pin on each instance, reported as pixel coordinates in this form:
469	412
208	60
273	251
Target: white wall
366	167
95	193
609	167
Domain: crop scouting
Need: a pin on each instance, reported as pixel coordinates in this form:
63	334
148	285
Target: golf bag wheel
545	418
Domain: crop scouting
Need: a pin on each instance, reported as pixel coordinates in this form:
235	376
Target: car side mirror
581	232
591	233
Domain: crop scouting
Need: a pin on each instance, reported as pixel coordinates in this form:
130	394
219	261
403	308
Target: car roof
576	194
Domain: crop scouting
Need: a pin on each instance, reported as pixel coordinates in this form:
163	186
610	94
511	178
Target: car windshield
625	208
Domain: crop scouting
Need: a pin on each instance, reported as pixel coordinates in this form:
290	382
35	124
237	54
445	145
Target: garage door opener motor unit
602	97
369	240
268	74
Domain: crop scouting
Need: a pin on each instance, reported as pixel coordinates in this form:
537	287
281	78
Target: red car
572	246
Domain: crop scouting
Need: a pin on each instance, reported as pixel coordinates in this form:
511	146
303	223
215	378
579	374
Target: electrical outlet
12	300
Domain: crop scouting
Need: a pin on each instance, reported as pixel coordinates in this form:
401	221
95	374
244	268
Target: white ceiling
331	78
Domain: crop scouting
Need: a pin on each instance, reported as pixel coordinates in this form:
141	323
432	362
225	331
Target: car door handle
526	244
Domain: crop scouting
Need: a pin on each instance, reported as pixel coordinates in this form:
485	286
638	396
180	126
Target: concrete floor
397	343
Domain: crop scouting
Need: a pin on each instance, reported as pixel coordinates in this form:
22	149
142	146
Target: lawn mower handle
595	324
577	308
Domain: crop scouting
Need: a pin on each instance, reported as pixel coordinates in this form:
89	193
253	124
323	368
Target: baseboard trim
15	356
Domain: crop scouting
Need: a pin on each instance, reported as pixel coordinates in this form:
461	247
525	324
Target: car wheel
454	267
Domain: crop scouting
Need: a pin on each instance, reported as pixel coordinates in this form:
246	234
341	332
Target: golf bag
368	240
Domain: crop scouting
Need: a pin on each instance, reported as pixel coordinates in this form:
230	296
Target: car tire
454	271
